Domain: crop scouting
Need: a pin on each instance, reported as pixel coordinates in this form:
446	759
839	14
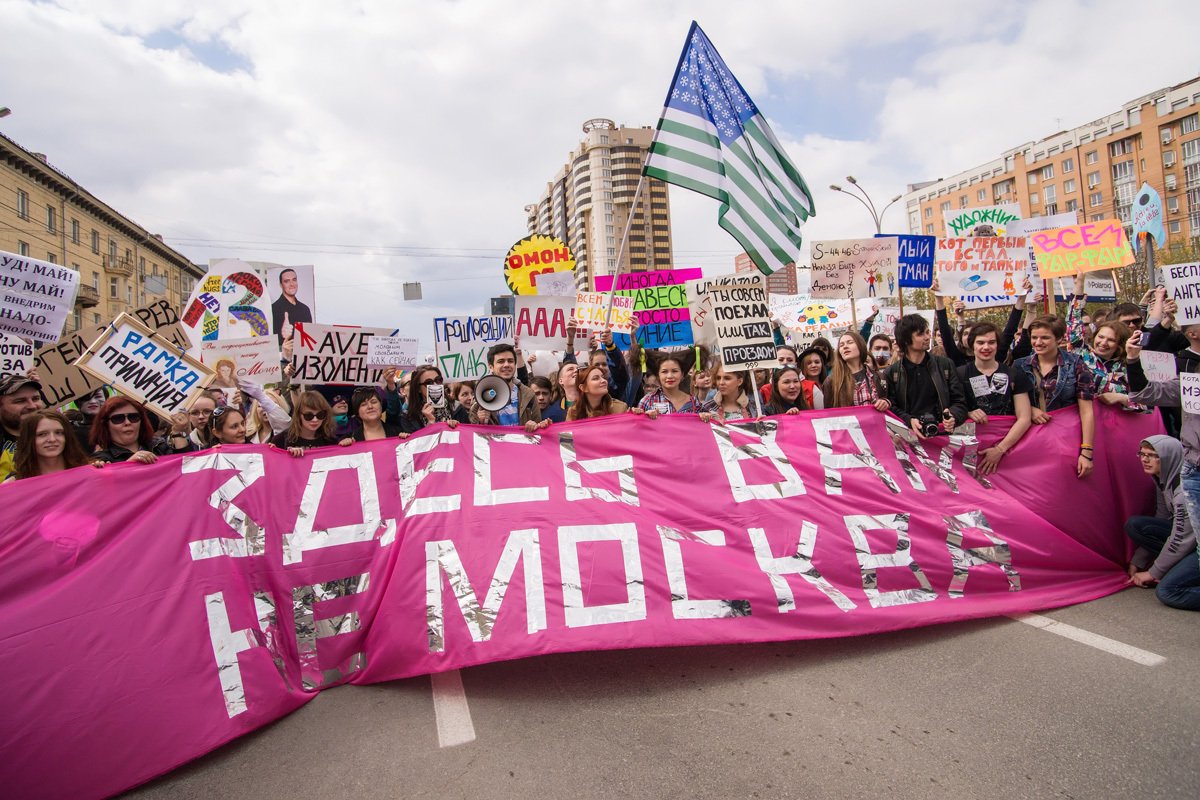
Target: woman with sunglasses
123	432
312	426
46	444
367	408
421	410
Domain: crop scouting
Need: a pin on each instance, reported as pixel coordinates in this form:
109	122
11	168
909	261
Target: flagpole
612	292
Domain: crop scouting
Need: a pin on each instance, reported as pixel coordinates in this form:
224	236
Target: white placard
1158	366
392	351
1189	392
888	316
1183	286
334	354
704	332
977	268
982	221
35	297
541	322
255	360
744	335
555	284
591	311
461	343
16	355
848	268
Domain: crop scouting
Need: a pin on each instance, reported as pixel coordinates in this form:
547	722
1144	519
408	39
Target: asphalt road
984	709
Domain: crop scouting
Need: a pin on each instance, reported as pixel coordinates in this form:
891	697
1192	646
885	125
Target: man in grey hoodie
1167	539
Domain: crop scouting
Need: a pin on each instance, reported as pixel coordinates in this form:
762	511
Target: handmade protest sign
63	382
1183	286
231	301
16	355
888	316
1147	217
849	268
1081	248
35	297
592	312
982	221
238	583
915	257
978	269
256	360
704	332
660	304
1028	227
334	354
532	257
556	284
541	322
808	319
392	351
461	344
140	365
1189	392
744	334
1158	366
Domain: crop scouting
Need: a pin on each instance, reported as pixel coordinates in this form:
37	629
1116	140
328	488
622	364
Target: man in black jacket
923	386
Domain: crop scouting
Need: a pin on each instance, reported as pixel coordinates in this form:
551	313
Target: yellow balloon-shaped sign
534	256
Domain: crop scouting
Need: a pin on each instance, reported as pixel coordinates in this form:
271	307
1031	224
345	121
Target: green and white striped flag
712	139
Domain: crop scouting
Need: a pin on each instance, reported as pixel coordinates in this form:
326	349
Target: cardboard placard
850	268
981	221
256	360
1183	286
140	365
541	322
461	344
976	267
1081	248
63	382
334	355
660	303
888	316
591	311
16	355
744	336
1159	366
915	257
700	304
35	297
392	351
1189	392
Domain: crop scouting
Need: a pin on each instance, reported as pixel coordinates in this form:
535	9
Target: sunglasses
309	416
431	380
121	419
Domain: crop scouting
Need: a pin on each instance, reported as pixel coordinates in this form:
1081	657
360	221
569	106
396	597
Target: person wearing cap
20	395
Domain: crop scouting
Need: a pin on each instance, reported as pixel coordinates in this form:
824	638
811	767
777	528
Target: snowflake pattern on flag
704	86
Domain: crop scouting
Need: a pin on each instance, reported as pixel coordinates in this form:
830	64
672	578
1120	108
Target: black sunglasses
311	415
118	419
431	380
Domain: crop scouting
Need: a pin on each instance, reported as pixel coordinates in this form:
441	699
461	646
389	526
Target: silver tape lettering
250	539
799	563
305	537
763	446
868	562
578	614
963	558
410	477
682	606
485	495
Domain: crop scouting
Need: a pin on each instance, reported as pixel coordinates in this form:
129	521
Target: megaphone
492	393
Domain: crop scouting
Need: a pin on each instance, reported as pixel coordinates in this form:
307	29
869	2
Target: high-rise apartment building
589	200
1094	169
46	215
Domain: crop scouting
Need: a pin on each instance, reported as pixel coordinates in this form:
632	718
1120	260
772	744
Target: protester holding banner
813	372
543	390
567	393
421	410
1060	379
591	386
1103	351
123	432
787	393
923	387
522	408
731	401
854	380
367	408
669	397
46	444
227	425
312	426
994	390
1166	542
19	396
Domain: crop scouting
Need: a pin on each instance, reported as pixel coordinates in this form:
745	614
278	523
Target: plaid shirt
1111	375
690	406
1044	386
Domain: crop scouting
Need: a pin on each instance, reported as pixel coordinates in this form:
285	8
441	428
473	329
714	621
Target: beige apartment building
44	214
1094	169
589	200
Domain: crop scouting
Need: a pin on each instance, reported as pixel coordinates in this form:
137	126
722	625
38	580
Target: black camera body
929	425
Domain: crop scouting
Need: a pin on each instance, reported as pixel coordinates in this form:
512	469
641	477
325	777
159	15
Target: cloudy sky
388	141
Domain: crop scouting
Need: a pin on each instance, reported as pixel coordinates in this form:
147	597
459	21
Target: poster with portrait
293	292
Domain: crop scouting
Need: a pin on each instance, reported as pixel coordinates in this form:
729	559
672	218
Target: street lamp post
4	111
876	216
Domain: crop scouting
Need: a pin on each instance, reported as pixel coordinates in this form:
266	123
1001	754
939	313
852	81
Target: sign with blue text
461	344
915	260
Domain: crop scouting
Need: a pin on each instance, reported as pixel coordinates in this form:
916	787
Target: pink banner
151	614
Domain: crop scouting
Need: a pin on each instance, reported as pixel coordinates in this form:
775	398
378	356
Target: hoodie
1172	507
1166	394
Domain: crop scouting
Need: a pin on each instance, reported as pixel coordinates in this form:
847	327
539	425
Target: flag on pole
712	139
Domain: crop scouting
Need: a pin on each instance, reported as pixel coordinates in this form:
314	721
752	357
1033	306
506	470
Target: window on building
1072	205
1168	158
96	281
1068	186
51	219
52	258
1033	197
1096	199
1068	165
1189	124
981	196
1172	183
1092	157
929	228
112	250
1051	194
112	287
1190	151
129	294
1033	178
1121	148
928	212
74	231
96	242
1122	171
1093	179
1173	226
962	201
77	318
1172	205
22	248
95	319
22	204
945	205
1047	172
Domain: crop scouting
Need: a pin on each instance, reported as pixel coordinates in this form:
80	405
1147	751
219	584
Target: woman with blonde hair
312	426
854	380
593	398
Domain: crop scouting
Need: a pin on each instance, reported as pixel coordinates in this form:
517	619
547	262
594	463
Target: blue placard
916	259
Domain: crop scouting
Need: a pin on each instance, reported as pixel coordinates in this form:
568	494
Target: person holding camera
522	407
924	388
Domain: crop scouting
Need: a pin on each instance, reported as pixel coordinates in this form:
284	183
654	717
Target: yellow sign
534	256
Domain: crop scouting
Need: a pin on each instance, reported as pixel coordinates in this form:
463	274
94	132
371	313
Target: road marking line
1135	654
450	707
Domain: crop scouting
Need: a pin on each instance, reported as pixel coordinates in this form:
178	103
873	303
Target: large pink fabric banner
149	614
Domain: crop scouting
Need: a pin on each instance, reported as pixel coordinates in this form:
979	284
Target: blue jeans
1180	588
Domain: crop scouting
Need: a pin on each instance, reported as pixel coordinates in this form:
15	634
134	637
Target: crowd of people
1034	365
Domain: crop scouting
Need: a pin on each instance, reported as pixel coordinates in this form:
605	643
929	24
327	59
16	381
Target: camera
929	425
